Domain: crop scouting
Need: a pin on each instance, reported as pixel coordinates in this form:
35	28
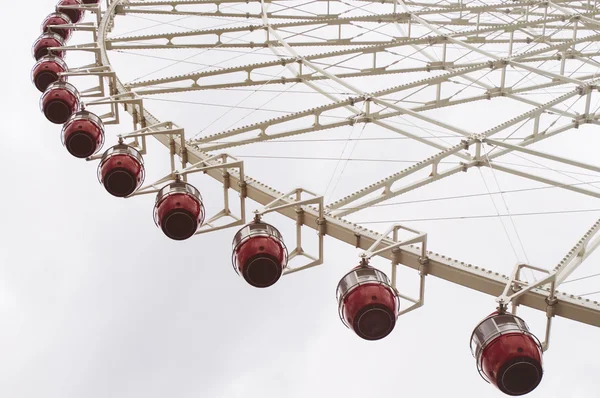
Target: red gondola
508	355
83	134
74	14
46	71
179	210
121	170
367	303
59	101
259	254
46	41
57	18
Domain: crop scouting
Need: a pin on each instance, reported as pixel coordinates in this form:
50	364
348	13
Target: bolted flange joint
364	261
299	216
502	307
551	308
226	180
396	256
243	188
322	226
424	267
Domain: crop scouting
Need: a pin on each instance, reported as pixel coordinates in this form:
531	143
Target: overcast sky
96	302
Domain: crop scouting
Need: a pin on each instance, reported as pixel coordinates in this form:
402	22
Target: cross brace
467	275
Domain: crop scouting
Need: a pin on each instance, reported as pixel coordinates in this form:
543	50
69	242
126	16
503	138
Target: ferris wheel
458	87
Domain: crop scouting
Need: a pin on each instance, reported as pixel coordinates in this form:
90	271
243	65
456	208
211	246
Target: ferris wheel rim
337	227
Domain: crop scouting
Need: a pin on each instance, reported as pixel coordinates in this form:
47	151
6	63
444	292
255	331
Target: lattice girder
555	49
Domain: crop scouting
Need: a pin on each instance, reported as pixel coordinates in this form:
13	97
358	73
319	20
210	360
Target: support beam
533	177
428	40
386	184
543	155
468	275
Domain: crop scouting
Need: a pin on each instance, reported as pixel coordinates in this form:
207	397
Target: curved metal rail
461	273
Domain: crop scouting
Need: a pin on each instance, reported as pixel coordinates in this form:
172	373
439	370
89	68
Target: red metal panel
513	363
371	310
82	137
179	215
121	174
74	14
260	260
46	41
57	18
45	72
59	103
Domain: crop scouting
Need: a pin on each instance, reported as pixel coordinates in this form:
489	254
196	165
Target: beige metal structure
441	33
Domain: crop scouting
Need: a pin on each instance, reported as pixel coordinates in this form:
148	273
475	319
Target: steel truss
518	26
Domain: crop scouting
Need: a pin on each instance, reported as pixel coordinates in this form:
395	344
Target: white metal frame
516	287
379	277
132	103
535	296
101	72
520	326
380	246
296	200
223	163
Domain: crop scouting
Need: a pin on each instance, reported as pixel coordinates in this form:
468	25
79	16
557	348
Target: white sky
95	302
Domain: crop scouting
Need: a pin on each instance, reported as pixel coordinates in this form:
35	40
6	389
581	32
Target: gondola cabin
70	7
83	134
367	302
57	19
121	170
508	355
259	254
60	101
41	46
179	210
46	71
